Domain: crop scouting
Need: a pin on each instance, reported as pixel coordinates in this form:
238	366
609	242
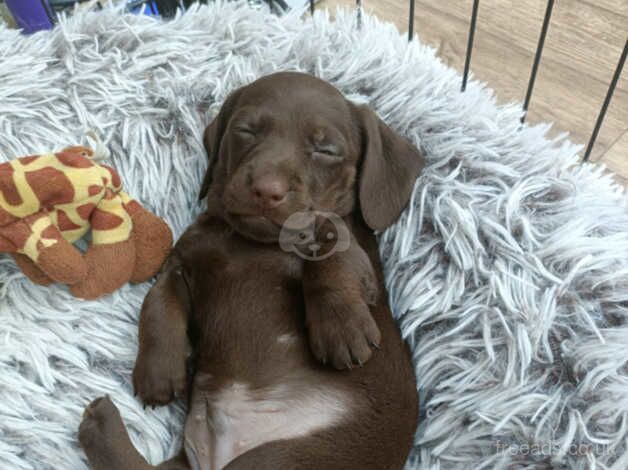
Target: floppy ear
389	168
212	139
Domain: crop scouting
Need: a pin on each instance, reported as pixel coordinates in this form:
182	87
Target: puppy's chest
246	299
234	260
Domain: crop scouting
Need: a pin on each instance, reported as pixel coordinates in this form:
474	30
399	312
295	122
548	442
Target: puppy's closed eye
327	154
245	130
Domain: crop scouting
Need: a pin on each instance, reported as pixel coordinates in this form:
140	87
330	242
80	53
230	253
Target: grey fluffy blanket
508	274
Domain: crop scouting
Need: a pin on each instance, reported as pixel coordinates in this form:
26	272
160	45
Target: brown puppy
272	290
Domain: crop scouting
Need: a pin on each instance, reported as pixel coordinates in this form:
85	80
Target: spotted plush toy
49	201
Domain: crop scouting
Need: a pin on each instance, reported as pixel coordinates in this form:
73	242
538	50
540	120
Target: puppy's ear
212	139
389	168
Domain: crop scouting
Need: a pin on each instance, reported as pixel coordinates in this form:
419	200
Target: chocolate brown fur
235	320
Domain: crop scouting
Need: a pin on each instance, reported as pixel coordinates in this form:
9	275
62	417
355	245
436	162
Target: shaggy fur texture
508	274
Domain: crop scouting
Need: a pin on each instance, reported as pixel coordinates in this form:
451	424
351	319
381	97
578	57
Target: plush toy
49	201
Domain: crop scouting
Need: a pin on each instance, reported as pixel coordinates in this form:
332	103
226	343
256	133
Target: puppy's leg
338	291
335	451
180	462
106	442
160	368
282	455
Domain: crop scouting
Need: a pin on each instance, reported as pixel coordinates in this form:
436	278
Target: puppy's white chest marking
287	339
227	423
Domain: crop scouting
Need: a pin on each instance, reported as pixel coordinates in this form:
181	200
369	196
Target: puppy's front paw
341	334
159	377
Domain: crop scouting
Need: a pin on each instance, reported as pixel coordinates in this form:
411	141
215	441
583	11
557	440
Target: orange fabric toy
49	201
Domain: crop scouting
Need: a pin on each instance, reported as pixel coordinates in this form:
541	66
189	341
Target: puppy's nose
270	191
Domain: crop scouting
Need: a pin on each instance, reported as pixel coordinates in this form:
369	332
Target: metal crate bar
467	61
607	100
537	58
411	21
167	8
358	7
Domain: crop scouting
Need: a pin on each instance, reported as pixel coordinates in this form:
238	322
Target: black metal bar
411	21
280	6
537	58
311	7
467	61
167	8
607	100
358	5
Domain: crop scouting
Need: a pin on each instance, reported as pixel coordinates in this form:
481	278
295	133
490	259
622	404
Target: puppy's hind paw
101	418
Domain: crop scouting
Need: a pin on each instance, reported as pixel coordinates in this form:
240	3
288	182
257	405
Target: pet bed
508	274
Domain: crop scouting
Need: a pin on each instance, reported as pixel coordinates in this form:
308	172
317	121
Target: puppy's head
291	143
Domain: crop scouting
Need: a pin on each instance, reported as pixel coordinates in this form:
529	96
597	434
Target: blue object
150	8
31	15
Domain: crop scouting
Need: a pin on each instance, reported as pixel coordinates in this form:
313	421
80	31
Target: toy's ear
212	139
389	168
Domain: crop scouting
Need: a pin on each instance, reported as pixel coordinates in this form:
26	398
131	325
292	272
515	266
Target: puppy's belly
223	424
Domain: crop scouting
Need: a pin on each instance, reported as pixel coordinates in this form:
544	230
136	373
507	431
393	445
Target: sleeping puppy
270	315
